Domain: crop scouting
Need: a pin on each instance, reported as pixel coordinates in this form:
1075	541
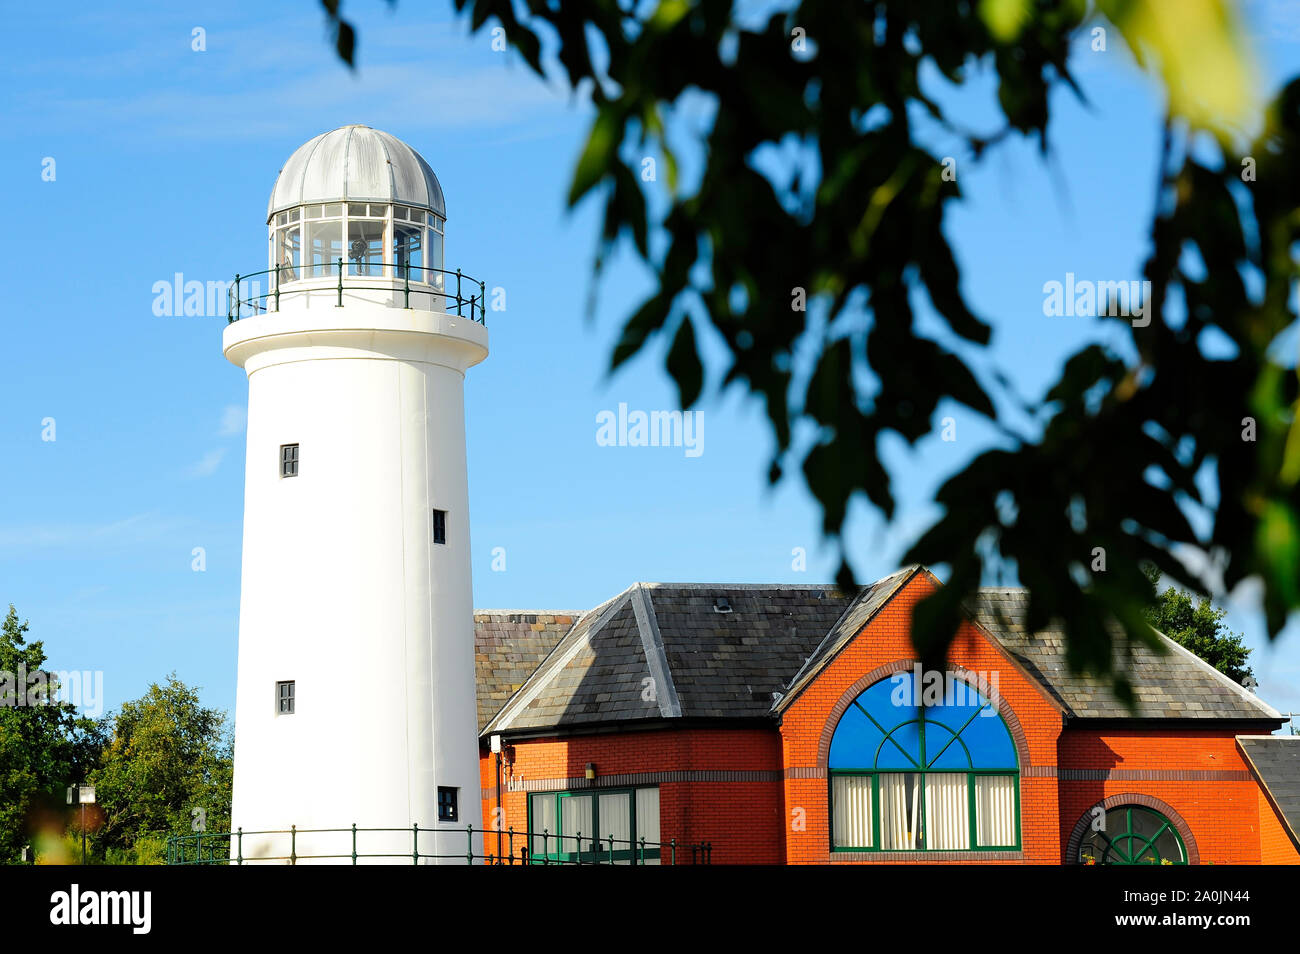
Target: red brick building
784	724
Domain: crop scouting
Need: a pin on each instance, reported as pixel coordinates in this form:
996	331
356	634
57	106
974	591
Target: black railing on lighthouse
467	298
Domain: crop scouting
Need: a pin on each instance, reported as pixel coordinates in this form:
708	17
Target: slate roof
1275	760
661	650
508	647
870	600
1174	685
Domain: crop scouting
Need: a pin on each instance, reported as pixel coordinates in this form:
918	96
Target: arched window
1132	835
911	777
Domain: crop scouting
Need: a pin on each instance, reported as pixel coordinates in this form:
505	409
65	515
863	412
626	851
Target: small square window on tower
284	698
288	460
447	804
440	526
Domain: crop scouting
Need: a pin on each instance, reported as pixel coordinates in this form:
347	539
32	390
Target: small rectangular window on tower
440	526
447	804
284	693
288	460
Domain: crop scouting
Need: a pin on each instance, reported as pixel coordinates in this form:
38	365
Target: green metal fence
507	847
408	279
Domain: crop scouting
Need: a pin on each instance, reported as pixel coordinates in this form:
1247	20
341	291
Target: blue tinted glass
889	702
989	741
941	748
855	740
984	741
902	749
955	714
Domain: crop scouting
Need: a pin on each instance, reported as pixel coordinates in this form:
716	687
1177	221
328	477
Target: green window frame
558	846
1129	844
919	774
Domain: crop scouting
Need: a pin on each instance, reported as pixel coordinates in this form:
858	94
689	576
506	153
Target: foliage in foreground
817	227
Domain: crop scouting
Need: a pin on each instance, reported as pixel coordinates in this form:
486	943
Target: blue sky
164	158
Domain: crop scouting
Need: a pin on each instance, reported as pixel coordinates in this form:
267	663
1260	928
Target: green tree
167	757
44	745
1198	627
817	223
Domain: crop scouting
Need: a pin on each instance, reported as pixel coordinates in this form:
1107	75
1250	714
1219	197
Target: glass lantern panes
324	247
288	252
408	251
373	239
365	244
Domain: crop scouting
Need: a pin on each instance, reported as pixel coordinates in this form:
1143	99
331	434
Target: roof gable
870	600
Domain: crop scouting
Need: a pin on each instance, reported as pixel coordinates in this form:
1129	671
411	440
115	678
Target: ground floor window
610	825
1132	835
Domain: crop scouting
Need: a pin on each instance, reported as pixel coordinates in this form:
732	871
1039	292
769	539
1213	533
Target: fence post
239	845
293	844
611	849
672	843
512	844
545	850
458	292
237	302
277	288
406	285
415	843
482	302
340	304
354	844
469	844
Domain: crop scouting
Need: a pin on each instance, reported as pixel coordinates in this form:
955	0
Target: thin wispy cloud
415	77
142	528
208	464
233	419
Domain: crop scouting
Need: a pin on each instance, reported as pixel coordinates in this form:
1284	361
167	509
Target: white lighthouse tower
355	700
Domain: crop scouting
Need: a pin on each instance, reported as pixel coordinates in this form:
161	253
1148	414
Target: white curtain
851	803
543	820
947	812
647	823
995	810
576	819
615	822
900	811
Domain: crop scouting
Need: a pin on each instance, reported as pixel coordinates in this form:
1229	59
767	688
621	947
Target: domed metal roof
356	163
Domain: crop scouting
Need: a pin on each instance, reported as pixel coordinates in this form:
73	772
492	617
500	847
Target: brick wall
716	785
1198	774
1276	846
